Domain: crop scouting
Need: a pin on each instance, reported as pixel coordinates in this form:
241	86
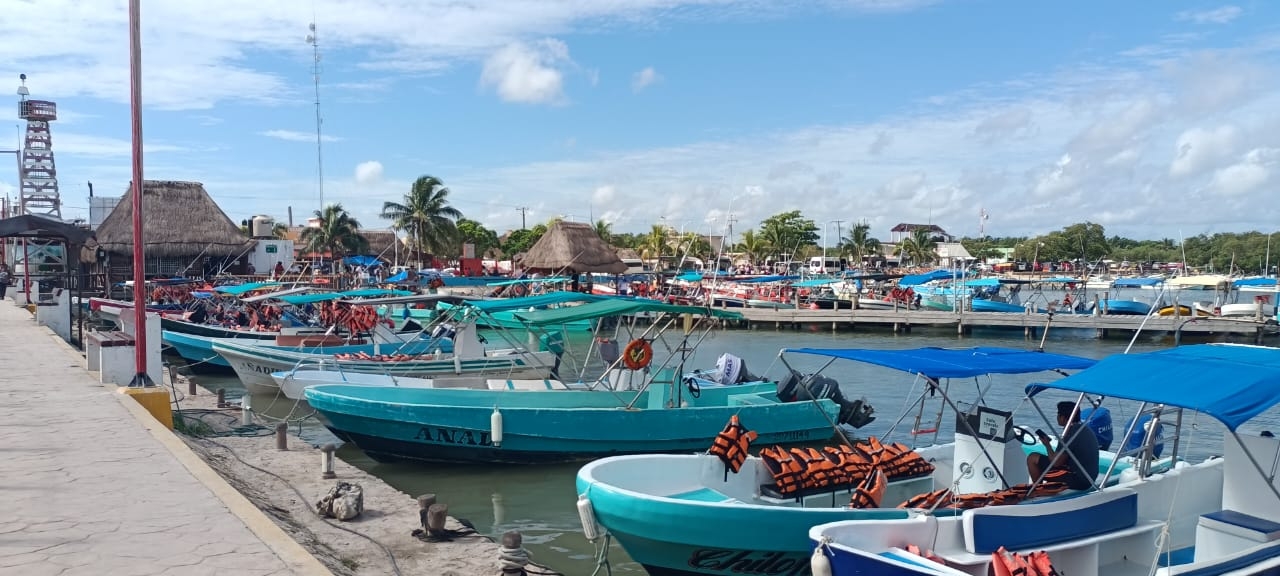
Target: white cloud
103	146
1248	175
296	136
528	73
1221	15
603	195
644	78
368	172
1199	149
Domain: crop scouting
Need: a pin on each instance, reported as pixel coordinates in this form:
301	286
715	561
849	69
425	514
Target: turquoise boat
737	523
527	426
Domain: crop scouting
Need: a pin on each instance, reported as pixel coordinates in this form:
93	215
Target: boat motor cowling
855	413
1099	420
732	370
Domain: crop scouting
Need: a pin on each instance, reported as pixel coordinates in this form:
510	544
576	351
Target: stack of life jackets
944	498
1006	563
927	554
731	444
835	468
870	492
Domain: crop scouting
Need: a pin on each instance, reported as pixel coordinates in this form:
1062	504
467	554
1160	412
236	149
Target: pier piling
222	397
282	436
437	514
246	411
512	555
191	387
326	461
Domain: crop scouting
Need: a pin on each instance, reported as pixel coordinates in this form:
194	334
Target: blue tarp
689	277
367	261
1255	282
526	302
239	289
982	282
400	276
917	279
1135	282
956	362
1230	382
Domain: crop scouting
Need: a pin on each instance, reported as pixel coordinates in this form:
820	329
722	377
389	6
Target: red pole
139	259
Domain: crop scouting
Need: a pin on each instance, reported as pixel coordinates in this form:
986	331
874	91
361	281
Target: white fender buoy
819	564
495	428
587	514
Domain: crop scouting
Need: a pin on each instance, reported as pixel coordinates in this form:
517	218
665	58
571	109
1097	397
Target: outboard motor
1099	420
444	330
733	370
608	351
1139	434
855	413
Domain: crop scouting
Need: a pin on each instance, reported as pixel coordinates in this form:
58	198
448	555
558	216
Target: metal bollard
246	411
326	461
222	398
282	436
437	515
512	556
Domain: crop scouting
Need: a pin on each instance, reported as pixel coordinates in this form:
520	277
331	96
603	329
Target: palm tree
280	230
605	231
653	244
425	215
919	247
860	243
338	234
751	246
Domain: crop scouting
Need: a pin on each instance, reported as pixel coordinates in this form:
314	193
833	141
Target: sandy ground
389	516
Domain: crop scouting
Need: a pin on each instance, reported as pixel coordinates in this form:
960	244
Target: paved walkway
85	488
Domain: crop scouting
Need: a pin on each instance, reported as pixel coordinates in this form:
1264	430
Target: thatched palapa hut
182	228
572	246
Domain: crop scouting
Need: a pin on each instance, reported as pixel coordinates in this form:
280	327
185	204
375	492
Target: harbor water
539	500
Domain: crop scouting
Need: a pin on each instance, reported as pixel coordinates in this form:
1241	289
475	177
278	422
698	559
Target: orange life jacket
928	500
731	444
787	471
1040	562
870	492
850	465
1006	563
818	471
899	461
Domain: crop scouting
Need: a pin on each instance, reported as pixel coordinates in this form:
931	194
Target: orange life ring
637	354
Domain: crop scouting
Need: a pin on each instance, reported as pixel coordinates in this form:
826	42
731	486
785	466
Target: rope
513	559
390	558
602	556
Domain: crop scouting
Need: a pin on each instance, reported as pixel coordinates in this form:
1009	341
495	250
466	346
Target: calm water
539	500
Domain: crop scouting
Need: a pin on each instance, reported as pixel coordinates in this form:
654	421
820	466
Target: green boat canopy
239	289
300	299
614	307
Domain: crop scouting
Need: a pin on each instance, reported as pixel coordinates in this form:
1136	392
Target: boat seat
749	400
1243	525
525	385
965	558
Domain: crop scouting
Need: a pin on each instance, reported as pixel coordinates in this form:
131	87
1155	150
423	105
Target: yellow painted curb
290	552
155	400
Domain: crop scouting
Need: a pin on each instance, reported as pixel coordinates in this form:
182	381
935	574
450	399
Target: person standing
4	279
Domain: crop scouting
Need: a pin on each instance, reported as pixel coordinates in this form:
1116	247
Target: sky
1157	119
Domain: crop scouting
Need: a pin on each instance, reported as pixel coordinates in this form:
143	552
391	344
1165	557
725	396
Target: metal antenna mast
315	70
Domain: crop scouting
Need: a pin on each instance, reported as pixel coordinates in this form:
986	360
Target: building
183	230
904	230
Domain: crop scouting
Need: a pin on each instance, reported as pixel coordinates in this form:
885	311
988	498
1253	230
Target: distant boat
1125	307
986	305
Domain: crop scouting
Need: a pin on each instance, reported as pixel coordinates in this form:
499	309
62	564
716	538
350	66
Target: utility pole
315	74
730	220
522	210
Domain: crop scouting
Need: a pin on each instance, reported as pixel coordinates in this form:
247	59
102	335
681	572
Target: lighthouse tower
38	194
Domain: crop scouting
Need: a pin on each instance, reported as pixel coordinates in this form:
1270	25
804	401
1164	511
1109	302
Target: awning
1231	382
239	289
300	299
1259	281
917	279
1135	282
526	302
614	307
956	362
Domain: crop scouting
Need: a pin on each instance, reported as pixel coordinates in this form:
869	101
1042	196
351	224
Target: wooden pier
1031	323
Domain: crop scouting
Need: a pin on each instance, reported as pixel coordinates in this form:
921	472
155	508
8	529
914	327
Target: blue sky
1156	119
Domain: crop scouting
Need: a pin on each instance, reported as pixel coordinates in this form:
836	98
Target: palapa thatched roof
573	246
381	242
178	219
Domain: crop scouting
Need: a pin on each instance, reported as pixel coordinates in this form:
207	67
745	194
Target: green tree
919	248
425	214
337	233
280	230
519	241
653	246
605	231
751	246
474	233
859	243
787	232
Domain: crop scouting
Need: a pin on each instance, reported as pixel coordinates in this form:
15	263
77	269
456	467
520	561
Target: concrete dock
93	485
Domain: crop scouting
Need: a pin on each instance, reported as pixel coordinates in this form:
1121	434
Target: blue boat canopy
1135	282
956	362
526	302
1061	280
367	261
689	277
1231	382
239	289
1260	281
917	279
